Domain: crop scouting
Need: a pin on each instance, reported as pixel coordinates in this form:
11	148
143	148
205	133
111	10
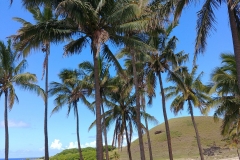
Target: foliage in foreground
89	153
72	154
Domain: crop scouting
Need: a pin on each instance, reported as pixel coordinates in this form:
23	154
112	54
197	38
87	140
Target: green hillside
184	143
89	153
72	154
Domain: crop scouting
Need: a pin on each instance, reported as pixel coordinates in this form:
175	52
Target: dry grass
184	143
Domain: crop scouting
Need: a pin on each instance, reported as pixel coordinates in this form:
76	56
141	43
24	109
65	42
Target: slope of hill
89	153
184	142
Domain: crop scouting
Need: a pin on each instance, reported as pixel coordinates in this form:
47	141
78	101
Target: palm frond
111	58
75	46
177	104
205	22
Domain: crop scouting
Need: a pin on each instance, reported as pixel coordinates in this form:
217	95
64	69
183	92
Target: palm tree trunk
148	137
114	137
165	118
238	154
78	138
147	130
236	44
142	153
105	134
128	143
196	131
46	105
6	126
95	48
236	41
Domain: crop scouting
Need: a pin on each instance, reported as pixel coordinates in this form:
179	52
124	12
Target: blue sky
26	118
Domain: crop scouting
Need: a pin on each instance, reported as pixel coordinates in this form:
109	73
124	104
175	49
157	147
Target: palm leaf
205	22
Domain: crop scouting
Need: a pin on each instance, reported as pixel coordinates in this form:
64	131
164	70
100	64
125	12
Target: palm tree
206	19
97	23
226	101
38	36
143	93
69	92
194	94
11	75
36	3
105	86
141	76
120	126
138	107
158	63
132	52
122	112
232	140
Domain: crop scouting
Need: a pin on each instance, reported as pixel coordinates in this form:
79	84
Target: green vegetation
184	142
73	154
88	153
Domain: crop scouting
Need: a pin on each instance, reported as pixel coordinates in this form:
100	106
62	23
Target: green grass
184	142
183	137
72	154
89	153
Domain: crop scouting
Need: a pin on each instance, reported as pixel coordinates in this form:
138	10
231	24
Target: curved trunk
236	44
147	130
128	143
6	126
142	153
95	48
236	41
148	138
196	131
105	134
46	104
78	138
165	118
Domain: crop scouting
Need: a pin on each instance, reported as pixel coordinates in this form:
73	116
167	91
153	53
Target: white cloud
93	143
75	145
72	145
56	144
15	124
90	144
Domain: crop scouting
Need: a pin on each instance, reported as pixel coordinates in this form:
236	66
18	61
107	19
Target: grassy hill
184	143
72	154
89	153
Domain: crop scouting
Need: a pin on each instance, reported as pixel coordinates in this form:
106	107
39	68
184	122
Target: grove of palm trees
104	72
